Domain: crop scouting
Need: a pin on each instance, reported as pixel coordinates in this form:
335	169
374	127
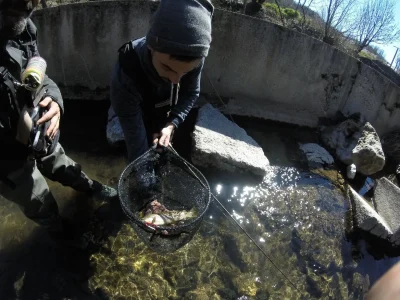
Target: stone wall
263	69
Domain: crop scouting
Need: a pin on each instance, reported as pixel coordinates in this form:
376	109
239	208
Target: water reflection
300	215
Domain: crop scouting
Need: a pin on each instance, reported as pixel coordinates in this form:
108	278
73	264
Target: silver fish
169	217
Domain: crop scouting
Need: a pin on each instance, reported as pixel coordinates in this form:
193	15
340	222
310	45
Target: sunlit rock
368	154
355	142
387	201
366	218
220	143
342	138
115	134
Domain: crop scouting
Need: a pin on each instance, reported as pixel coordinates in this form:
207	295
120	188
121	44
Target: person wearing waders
156	79
26	155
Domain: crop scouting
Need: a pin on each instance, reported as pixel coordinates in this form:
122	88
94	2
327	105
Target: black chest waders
20	112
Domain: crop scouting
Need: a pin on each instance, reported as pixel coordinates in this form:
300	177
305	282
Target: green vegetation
272	7
290	13
287	12
367	55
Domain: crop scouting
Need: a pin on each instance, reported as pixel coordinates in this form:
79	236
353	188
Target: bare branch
280	12
375	23
336	14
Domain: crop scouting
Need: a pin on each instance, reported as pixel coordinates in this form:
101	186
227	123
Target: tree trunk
44	4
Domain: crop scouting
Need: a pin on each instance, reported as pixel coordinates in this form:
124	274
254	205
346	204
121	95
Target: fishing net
173	182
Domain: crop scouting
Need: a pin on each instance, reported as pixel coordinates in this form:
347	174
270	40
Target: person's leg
387	287
29	190
59	167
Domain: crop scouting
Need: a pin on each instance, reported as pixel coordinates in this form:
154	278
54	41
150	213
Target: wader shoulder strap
7	80
130	64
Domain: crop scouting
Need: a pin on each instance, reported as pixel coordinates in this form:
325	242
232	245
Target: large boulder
366	218
355	142
342	138
115	135
368	154
387	201
220	143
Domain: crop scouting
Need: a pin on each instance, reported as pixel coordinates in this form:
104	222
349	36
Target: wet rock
312	288
262	295
200	295
115	135
227	293
220	143
368	154
246	285
387	203
366	218
315	153
232	251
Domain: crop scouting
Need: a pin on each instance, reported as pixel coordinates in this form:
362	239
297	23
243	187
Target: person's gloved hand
53	114
164	137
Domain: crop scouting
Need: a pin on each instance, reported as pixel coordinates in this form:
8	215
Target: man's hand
53	114
164	137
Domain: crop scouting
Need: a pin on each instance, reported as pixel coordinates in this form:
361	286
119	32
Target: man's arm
52	99
52	89
125	100
53	92
188	94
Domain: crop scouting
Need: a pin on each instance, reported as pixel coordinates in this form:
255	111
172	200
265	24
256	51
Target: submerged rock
387	203
115	135
220	143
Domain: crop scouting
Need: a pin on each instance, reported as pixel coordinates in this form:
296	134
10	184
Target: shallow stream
299	217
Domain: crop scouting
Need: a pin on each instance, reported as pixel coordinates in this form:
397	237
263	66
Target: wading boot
101	192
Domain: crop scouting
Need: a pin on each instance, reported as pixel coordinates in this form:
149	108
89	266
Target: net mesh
172	181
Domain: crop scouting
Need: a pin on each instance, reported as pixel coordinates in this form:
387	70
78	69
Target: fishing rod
236	222
248	235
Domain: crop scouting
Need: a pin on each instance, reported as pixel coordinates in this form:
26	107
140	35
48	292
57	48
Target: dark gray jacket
189	84
137	95
14	55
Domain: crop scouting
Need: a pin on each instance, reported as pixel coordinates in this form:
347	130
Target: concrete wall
265	70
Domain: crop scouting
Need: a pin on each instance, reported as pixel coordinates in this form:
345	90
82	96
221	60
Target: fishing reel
40	143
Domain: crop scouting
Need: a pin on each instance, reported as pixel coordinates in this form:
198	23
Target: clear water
297	216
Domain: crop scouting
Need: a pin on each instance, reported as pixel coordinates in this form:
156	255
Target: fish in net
165	199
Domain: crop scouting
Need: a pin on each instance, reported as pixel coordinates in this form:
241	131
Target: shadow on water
32	266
